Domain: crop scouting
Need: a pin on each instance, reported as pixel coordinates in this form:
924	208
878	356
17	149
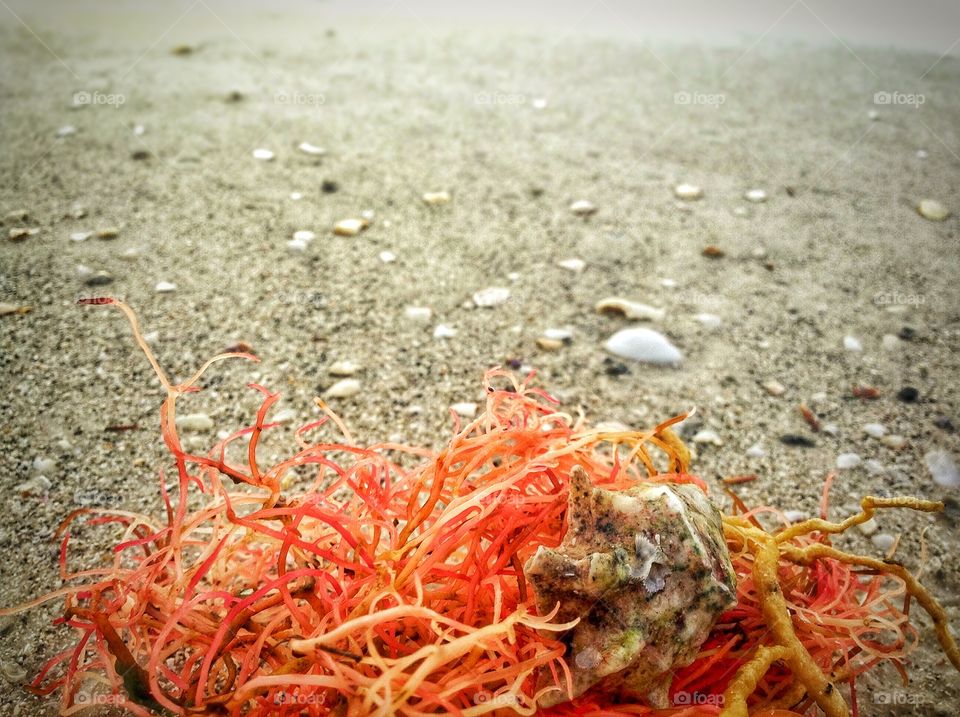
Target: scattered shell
418	313
491	296
388	257
851	343
434	198
350	227
465	410
575	265
643	344
108	233
195	422
312	149
755	195
875	430
165	287
711	321
883	541
708	436
845	461
442	331
80	236
756	451
342	368
933	210
344	388
264	155
10	309
304	235
687	191
943	468
630	309
896	442
583	208
774	388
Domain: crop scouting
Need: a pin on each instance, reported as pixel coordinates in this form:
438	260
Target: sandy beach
117	131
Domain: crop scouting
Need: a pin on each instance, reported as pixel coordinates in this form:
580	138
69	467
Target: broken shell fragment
583	208
434	198
643	344
630	309
687	191
350	227
933	210
648	573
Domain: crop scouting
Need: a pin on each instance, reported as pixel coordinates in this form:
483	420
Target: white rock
344	388
195	422
491	296
943	468
262	154
755	195
795	516
343	368
846	461
350	227
368	214
894	441
756	451
643	344
687	191
66	130
388	257
851	343
418	313
583	208
139	130
465	410
630	309
442	331
434	198
774	388
890	342
312	149
296	196
668	283
297	245
304	235
575	265
933	210
875	430
883	541
165	287
80	236
711	321
708	436
43	466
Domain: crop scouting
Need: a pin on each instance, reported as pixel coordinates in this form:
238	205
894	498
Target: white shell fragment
165	287
708	436
583	208
344	388
350	227
933	210
264	155
943	468
312	149
80	236
434	198
630	309
687	191
195	422
442	331
491	296
875	430
465	410
774	387
846	461
304	235
643	344
851	343
574	265
418	313
342	368
388	257
755	195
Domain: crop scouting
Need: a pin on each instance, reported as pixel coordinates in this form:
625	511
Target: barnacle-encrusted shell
647	571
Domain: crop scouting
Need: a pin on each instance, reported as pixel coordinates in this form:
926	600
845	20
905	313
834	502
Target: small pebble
630	309
774	388
80	236
140	154
795	516
264	155
491	296
668	283
711	321
344	388
465	410
795	439
875	430
831	429
564	335
350	227
712	251
139	130
66	131
932	210
21	233
547	344
756	451
165	287
108	233
329	187
944	423
873	115
388	257
883	542
304	235
434	198
643	344
418	313
908	394
707	436
342	368
687	191
575	265
850	343
195	422
943	468
845	461
296	196
583	208
755	195
442	331
181	50
894	441
312	149
297	245
99	278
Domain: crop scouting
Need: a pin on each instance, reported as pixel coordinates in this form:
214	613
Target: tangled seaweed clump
383	589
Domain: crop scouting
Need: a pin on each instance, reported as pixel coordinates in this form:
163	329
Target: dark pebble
795	439
234	96
908	333
140	154
944	423
908	394
329	187
615	368
99	279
